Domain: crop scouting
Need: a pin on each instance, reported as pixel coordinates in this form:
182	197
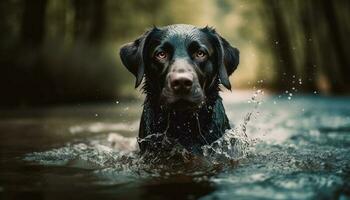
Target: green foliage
67	50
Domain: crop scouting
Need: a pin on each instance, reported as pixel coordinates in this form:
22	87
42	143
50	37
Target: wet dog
182	67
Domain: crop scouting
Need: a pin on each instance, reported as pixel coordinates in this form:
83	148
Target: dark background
66	51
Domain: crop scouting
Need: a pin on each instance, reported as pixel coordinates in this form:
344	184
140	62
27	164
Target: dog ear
132	56
228	57
229	62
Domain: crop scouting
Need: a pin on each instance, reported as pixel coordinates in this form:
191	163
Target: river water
282	147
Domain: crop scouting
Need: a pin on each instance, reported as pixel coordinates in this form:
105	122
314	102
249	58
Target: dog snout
181	82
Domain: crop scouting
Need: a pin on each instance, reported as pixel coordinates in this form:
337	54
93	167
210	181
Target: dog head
181	63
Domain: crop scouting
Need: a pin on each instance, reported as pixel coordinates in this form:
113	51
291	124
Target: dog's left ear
229	62
228	57
132	56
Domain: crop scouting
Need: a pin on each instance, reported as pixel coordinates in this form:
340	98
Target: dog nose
181	82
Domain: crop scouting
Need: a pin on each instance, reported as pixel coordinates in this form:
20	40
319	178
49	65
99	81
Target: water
281	148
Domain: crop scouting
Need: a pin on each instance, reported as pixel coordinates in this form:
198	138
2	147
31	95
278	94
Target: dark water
296	148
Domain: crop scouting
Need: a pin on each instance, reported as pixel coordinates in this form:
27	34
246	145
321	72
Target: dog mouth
185	104
192	101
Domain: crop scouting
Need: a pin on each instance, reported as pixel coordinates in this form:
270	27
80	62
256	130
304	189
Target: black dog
182	66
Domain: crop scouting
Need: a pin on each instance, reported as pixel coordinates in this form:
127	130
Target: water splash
305	152
235	143
95	154
232	146
114	152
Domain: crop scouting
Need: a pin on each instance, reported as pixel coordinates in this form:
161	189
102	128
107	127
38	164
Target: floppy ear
229	62
131	55
228	57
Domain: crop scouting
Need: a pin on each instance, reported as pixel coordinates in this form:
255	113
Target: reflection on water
280	148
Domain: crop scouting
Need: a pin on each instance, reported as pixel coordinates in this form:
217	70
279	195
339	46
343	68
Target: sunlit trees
311	39
67	50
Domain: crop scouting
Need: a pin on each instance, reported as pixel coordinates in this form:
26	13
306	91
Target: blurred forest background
66	51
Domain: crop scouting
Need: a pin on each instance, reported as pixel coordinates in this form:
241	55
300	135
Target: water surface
281	148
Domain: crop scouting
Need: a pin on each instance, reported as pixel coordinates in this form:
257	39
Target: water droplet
289	98
274	102
96	115
290	94
300	81
117	102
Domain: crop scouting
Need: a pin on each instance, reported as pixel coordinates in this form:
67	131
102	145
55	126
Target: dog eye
161	55
200	54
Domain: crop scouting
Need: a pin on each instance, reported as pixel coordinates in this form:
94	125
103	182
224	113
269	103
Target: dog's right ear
131	55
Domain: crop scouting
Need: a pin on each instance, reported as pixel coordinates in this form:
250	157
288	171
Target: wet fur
162	128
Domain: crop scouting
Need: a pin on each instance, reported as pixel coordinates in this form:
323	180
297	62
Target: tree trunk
33	23
309	70
281	46
90	20
98	22
81	19
334	29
